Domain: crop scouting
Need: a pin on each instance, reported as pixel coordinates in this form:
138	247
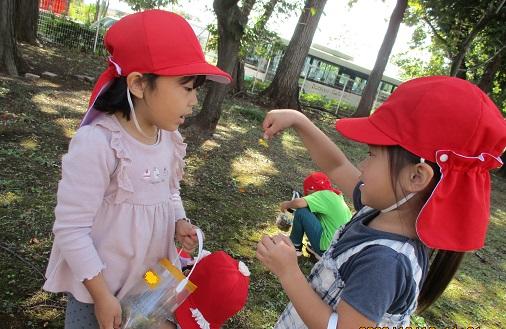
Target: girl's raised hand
186	235
278	120
277	253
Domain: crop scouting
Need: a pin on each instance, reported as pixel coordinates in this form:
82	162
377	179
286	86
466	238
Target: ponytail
443	266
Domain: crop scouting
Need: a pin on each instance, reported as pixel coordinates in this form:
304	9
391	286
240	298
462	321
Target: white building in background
327	72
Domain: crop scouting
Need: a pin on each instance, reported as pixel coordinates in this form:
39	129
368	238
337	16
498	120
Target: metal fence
63	31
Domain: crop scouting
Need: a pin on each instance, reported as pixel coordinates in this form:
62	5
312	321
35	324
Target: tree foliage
462	38
139	5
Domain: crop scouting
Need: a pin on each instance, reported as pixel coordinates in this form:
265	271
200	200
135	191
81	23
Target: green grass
232	188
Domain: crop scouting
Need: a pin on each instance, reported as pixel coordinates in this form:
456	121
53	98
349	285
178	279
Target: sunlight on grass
292	143
9	199
4	91
39	297
252	168
68	126
56	101
226	132
29	144
209	145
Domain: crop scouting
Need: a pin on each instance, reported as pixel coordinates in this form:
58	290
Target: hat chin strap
398	203
403	200
182	284
134	118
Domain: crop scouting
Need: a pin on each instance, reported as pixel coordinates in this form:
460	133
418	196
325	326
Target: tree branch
247	6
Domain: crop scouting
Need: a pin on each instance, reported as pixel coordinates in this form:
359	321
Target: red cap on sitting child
453	123
222	290
318	181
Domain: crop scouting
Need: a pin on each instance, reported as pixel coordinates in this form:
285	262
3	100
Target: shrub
68	33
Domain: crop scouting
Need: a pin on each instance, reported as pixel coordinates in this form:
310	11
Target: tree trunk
373	82
8	47
27	15
237	84
97	10
488	76
232	21
284	89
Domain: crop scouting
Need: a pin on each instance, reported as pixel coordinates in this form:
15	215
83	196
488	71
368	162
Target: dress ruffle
178	161
125	187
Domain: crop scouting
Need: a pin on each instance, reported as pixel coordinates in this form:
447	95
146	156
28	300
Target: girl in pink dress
118	204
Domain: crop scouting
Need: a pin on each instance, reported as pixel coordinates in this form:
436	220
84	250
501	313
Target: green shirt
332	212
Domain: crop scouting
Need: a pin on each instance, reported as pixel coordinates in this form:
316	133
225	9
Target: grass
232	189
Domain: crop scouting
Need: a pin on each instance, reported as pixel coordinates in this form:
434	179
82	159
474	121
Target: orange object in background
55	6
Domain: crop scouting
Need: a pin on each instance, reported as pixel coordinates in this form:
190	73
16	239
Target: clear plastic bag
284	221
156	296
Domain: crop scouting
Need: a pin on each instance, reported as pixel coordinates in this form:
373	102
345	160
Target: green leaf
312	10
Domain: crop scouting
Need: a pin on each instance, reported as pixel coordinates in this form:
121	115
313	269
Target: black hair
443	263
114	99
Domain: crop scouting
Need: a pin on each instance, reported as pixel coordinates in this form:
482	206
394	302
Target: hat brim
364	131
211	72
185	318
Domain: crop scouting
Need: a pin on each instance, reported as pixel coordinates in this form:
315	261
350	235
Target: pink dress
117	203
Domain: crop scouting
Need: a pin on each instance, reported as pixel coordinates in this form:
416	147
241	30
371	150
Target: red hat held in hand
222	290
453	123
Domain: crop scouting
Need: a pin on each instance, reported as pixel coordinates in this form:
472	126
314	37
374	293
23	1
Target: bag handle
182	284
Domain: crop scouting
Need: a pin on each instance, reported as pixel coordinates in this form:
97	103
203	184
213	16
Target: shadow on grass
33	136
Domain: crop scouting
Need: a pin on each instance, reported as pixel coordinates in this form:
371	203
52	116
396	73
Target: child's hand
284	206
108	312
278	120
186	235
277	253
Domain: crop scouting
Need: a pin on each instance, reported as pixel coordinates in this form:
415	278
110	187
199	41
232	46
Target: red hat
152	41
318	181
222	289
451	122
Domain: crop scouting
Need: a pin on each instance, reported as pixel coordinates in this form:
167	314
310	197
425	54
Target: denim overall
326	280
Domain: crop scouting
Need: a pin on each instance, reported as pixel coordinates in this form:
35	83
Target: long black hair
443	264
114	99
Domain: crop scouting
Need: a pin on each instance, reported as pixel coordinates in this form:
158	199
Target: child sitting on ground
319	214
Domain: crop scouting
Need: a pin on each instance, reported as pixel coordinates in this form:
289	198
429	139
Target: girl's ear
135	84
420	176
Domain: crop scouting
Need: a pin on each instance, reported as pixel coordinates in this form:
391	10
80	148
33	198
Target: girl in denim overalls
434	138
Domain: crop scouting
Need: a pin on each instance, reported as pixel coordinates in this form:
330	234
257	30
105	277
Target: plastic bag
156	296
284	221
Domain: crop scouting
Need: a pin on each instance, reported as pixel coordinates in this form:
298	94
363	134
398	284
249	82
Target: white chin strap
134	117
398	203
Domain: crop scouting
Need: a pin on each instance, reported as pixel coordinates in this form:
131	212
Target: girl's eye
370	154
188	89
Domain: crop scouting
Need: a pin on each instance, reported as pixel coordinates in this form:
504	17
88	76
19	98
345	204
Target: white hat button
443	157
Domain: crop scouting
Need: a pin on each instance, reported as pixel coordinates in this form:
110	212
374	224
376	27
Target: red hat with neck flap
153	41
451	122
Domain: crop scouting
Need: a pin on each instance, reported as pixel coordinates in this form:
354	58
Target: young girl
434	138
118	205
319	213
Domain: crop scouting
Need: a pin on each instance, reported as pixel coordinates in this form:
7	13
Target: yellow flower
263	142
151	278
